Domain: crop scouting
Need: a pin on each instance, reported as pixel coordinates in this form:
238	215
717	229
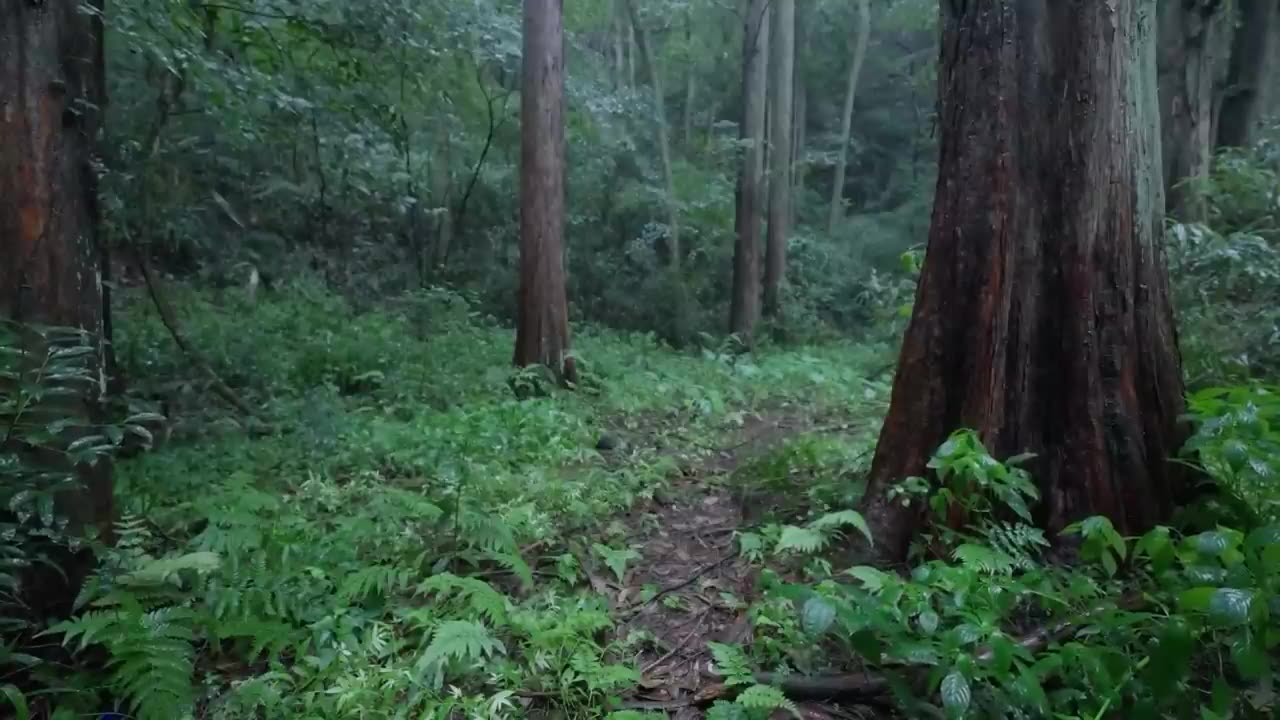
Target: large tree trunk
748	218
1250	79
542	326
664	139
783	51
860	39
51	253
1195	44
1042	318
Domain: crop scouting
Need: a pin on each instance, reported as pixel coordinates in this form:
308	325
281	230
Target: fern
378	580
1023	544
456	640
765	697
151	653
800	539
731	663
479	596
984	559
840	519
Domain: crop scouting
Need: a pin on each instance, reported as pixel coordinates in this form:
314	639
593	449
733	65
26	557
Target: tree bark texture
1042	318
542	327
861	37
1194	49
664	136
744	309
1250	80
51	254
782	47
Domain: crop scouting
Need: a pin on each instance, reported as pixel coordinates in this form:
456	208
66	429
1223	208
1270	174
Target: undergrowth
405	538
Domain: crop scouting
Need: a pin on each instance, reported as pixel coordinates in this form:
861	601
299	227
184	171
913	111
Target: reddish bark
1042	318
542	327
51	92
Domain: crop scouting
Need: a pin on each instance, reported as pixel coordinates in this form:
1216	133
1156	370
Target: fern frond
479	595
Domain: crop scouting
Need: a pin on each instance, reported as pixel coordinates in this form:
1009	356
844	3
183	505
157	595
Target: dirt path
690	586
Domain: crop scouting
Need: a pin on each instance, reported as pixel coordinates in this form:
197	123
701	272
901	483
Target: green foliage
1237	442
1161	625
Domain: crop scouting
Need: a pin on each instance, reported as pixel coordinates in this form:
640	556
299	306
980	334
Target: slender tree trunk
542	327
1195	44
440	201
51	253
691	77
664	139
798	163
631	54
1249	79
799	99
1042	318
861	37
744	310
783	49
619	40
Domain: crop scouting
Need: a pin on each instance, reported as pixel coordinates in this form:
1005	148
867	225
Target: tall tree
861	36
1251	77
783	58
744	310
542	327
1042	317
664	135
690	77
51	95
799	105
1194	46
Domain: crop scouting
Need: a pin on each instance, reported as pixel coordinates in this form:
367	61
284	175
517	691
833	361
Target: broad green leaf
17	700
928	621
817	615
956	694
1196	599
1230	606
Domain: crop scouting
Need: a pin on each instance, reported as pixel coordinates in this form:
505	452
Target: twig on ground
678	647
680	585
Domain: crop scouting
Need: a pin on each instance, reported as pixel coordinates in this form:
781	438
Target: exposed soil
703	587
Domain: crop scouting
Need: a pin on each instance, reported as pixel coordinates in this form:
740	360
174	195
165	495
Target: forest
639	359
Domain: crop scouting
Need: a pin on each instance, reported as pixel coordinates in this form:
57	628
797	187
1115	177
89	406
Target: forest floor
417	540
688	552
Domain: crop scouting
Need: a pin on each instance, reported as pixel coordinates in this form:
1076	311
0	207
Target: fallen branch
170	321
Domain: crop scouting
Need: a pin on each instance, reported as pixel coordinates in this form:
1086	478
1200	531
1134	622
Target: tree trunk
1195	42
860	39
1249	80
51	95
619	58
440	201
783	51
542	327
691	77
1042	318
799	109
664	140
744	310
631	54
